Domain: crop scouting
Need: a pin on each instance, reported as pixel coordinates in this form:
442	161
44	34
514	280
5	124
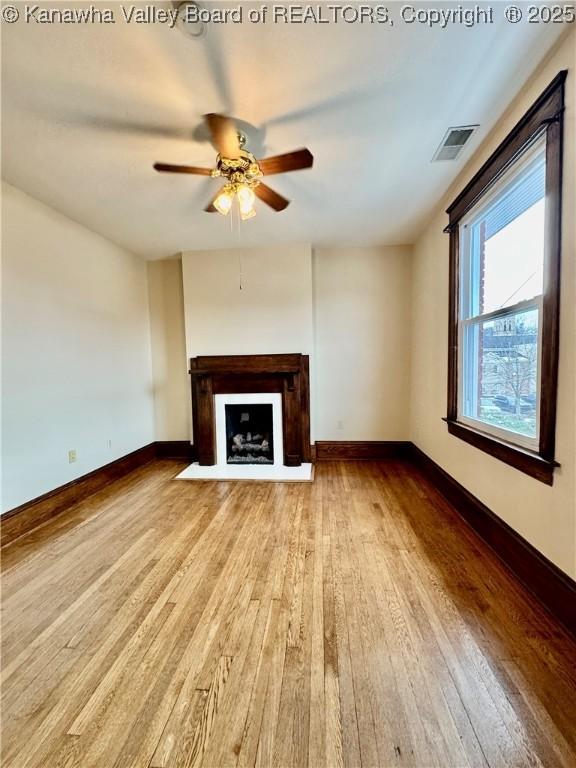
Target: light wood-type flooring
354	621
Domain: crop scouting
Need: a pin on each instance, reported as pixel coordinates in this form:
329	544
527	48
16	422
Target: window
504	294
501	284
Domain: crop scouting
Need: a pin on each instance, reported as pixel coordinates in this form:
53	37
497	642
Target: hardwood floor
355	621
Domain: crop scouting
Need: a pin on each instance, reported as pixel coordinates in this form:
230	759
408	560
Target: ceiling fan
241	170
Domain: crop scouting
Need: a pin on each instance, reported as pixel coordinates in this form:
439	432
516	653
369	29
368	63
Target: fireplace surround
286	374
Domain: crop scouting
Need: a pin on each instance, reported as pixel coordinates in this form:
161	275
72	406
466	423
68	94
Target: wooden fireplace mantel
228	374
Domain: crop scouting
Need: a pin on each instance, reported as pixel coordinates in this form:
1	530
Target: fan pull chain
236	224
240	251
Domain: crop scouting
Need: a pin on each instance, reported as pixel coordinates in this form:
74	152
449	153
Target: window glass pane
500	365
504	243
514	260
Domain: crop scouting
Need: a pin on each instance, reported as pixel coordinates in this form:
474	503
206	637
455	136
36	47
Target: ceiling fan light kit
224	200
243	174
241	170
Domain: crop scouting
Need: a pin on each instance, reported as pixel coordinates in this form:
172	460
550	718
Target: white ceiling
87	109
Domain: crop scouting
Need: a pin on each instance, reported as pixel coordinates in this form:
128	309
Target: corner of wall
172	407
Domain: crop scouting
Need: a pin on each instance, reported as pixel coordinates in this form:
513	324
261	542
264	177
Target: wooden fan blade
167	168
291	161
224	135
271	198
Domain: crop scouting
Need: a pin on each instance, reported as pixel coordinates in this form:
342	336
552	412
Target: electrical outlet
72	456
339	425
109	443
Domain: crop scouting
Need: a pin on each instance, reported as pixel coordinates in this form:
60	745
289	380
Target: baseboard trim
175	449
553	588
361	450
24	518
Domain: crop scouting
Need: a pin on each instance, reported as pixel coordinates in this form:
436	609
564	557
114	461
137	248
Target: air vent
190	19
453	142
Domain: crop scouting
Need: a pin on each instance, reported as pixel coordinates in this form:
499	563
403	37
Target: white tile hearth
264	472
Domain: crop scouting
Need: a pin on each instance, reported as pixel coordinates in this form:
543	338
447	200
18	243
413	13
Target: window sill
526	461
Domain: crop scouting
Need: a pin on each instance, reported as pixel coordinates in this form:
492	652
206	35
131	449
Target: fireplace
251	417
249	433
248	428
285	375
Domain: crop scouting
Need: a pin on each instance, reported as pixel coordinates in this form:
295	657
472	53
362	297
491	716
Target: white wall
545	516
76	350
172	402
362	342
270	313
